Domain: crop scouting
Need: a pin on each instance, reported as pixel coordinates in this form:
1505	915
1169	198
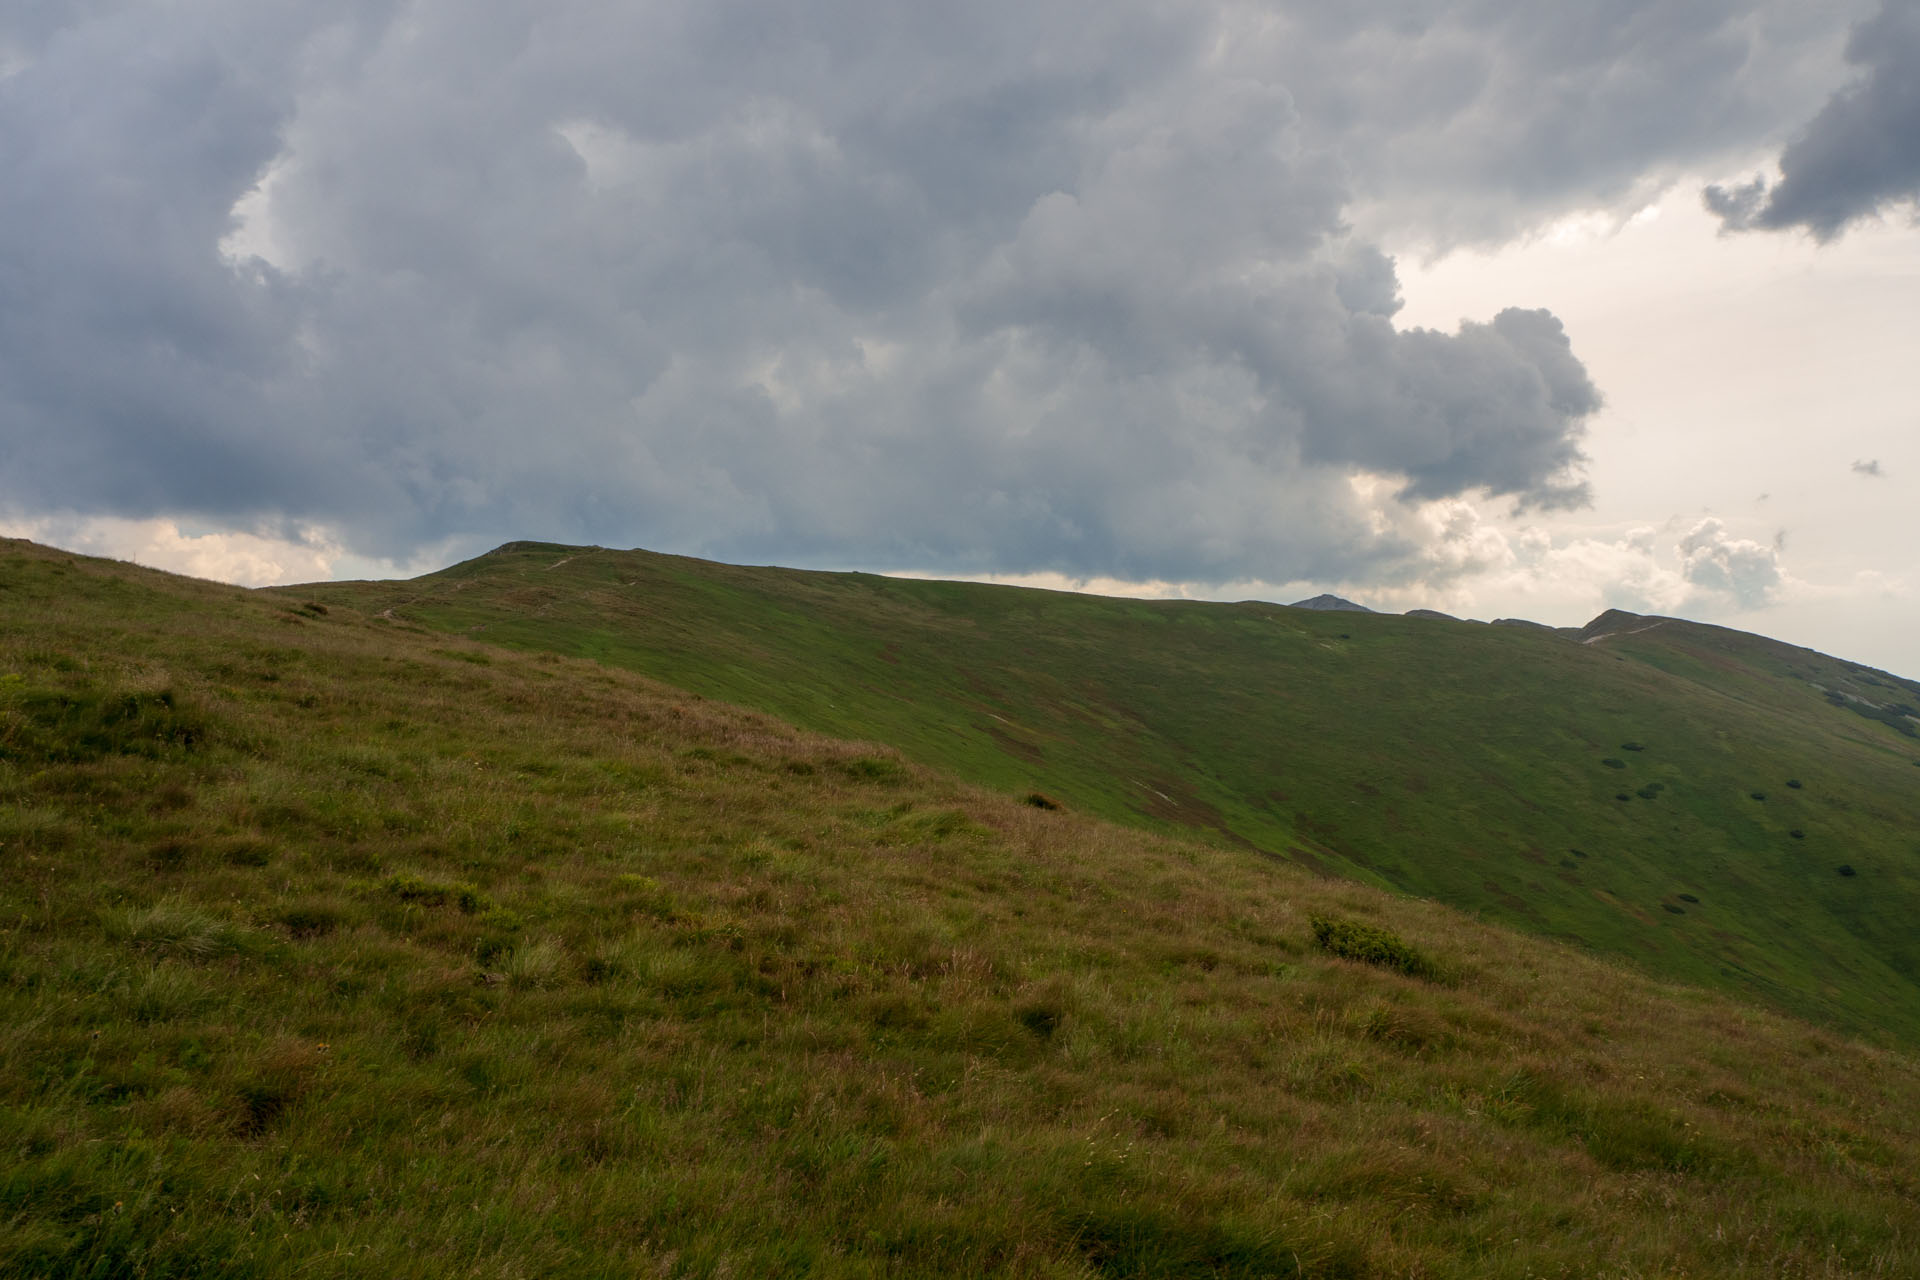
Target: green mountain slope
330	946
1486	767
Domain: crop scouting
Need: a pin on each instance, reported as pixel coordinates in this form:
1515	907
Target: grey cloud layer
987	287
1860	154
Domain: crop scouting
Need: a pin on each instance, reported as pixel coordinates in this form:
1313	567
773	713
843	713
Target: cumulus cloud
1716	563
1859	155
250	559
1084	288
1476	567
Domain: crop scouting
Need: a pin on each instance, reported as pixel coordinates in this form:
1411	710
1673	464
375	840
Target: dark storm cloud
1859	155
1473	121
987	287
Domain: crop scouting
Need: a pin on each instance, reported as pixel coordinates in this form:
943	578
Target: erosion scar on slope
1636	631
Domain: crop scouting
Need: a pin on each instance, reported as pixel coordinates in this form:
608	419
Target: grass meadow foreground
332	947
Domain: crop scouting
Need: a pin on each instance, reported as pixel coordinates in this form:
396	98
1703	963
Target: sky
1493	307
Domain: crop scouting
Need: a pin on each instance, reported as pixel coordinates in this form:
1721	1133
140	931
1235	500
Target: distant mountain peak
1330	602
1619	622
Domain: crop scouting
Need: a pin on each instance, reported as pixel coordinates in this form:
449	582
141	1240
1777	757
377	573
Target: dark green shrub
1794	783
1846	869
1758	795
1119	1239
599	969
71	727
1687	897
1633	746
1040	800
865	769
1614	762
1797	834
247	853
1668	906
310	920
1896	718
1042	1017
1370	944
1648	793
413	889
1621	795
428	894
169	854
260	1105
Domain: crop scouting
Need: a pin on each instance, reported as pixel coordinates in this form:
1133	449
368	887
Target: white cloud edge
238	557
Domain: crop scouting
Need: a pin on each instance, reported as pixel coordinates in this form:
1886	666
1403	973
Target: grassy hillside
1635	794
330	946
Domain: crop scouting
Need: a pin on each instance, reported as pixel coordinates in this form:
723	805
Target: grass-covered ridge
1600	792
415	957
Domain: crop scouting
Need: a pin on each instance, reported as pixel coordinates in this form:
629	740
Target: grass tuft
175	929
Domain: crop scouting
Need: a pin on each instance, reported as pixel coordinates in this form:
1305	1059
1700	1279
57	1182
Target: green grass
403	963
1457	762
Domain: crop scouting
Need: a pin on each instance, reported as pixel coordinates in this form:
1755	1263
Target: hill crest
1328	602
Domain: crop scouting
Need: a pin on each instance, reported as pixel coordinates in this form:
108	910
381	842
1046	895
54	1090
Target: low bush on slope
1355	940
407	964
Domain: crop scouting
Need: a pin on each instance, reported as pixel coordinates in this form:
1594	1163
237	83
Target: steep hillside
1633	796
1759	670
330	946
